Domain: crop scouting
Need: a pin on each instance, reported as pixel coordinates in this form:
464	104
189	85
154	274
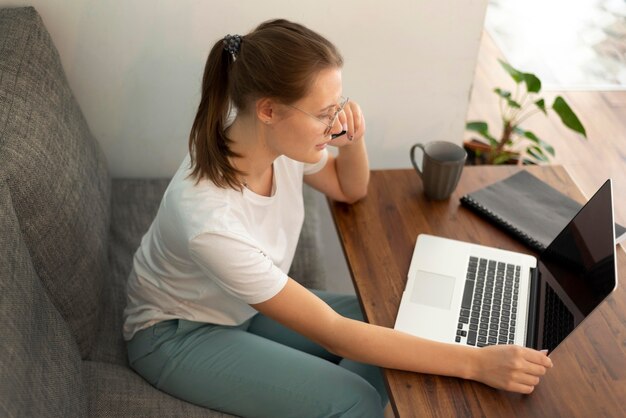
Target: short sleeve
237	266
314	168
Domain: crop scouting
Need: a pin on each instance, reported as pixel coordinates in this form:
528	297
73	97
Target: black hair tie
232	44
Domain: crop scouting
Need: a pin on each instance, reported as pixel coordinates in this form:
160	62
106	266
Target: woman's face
301	133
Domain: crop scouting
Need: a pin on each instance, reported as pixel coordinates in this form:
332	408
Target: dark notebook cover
528	208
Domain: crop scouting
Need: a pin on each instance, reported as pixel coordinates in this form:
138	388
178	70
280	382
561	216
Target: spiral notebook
528	208
476	295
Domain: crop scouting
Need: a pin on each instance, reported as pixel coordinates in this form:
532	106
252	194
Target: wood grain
378	236
589	162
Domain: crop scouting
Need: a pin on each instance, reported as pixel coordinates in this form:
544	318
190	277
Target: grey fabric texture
40	366
134	204
307	267
67	239
56	172
116	391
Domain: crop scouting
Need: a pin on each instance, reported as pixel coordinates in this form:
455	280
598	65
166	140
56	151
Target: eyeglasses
330	119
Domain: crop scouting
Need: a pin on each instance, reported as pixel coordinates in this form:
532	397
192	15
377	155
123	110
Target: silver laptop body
453	294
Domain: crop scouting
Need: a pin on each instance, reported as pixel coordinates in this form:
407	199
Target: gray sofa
67	236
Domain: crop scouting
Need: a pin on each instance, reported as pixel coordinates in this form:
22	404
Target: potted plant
516	144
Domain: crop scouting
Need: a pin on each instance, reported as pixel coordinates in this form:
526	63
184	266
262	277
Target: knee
361	400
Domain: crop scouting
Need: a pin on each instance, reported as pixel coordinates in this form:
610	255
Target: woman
212	317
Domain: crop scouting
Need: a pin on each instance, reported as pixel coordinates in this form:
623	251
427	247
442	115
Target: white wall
135	67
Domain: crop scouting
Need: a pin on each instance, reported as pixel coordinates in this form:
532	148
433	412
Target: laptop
470	294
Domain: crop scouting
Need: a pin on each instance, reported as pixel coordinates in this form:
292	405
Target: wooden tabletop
378	235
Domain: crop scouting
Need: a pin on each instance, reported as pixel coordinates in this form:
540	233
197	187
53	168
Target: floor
589	162
597	96
601	106
574	45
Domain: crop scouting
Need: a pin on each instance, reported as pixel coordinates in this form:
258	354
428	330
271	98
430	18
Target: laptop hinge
533	317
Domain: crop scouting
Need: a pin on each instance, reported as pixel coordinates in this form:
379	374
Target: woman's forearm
388	348
508	367
353	169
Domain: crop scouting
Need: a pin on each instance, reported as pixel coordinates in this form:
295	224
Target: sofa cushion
55	171
134	204
308	263
40	366
118	392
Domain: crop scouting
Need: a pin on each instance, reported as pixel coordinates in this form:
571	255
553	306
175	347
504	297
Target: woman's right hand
511	367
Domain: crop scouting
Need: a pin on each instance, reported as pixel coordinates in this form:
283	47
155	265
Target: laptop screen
577	271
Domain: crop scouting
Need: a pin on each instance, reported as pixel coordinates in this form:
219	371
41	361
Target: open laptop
459	292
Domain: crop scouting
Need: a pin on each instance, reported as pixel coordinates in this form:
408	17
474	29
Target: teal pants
258	369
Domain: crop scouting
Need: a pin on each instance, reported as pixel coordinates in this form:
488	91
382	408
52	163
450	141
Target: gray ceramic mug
442	164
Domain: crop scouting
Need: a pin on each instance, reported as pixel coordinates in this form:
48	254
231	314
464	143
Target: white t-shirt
210	252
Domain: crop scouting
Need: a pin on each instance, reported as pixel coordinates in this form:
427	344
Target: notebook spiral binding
525	238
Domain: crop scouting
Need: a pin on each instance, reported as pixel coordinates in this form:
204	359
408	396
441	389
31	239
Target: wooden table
378	235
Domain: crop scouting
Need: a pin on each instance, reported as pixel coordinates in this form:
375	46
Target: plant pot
478	151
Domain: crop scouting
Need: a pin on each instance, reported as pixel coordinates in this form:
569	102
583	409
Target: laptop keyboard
489	308
558	320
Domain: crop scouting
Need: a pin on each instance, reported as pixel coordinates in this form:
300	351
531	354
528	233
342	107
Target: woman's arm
345	178
507	367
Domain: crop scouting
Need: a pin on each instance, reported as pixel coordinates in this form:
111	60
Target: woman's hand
510	367
353	122
345	176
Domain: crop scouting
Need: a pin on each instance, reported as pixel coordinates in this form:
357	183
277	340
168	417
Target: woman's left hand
353	122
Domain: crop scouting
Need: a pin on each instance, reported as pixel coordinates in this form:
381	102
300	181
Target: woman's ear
266	110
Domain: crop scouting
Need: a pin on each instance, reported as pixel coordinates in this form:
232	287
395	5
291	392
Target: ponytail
208	144
279	59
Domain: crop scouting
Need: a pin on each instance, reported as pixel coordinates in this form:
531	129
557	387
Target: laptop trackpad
433	289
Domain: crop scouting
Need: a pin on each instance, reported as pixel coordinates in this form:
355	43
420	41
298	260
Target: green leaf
548	148
477	126
483	129
502	158
537	153
533	84
506	95
502	93
513	103
534	138
518	76
568	117
541	104
531	136
538	149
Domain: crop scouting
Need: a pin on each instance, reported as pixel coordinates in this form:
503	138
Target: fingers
514	368
349	121
521	388
352	120
535	369
538	357
531	368
531	362
527	379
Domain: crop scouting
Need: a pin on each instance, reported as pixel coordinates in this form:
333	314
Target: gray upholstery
67	237
117	391
307	267
134	203
40	367
55	171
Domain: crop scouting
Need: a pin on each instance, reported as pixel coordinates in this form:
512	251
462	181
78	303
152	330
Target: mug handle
419	170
